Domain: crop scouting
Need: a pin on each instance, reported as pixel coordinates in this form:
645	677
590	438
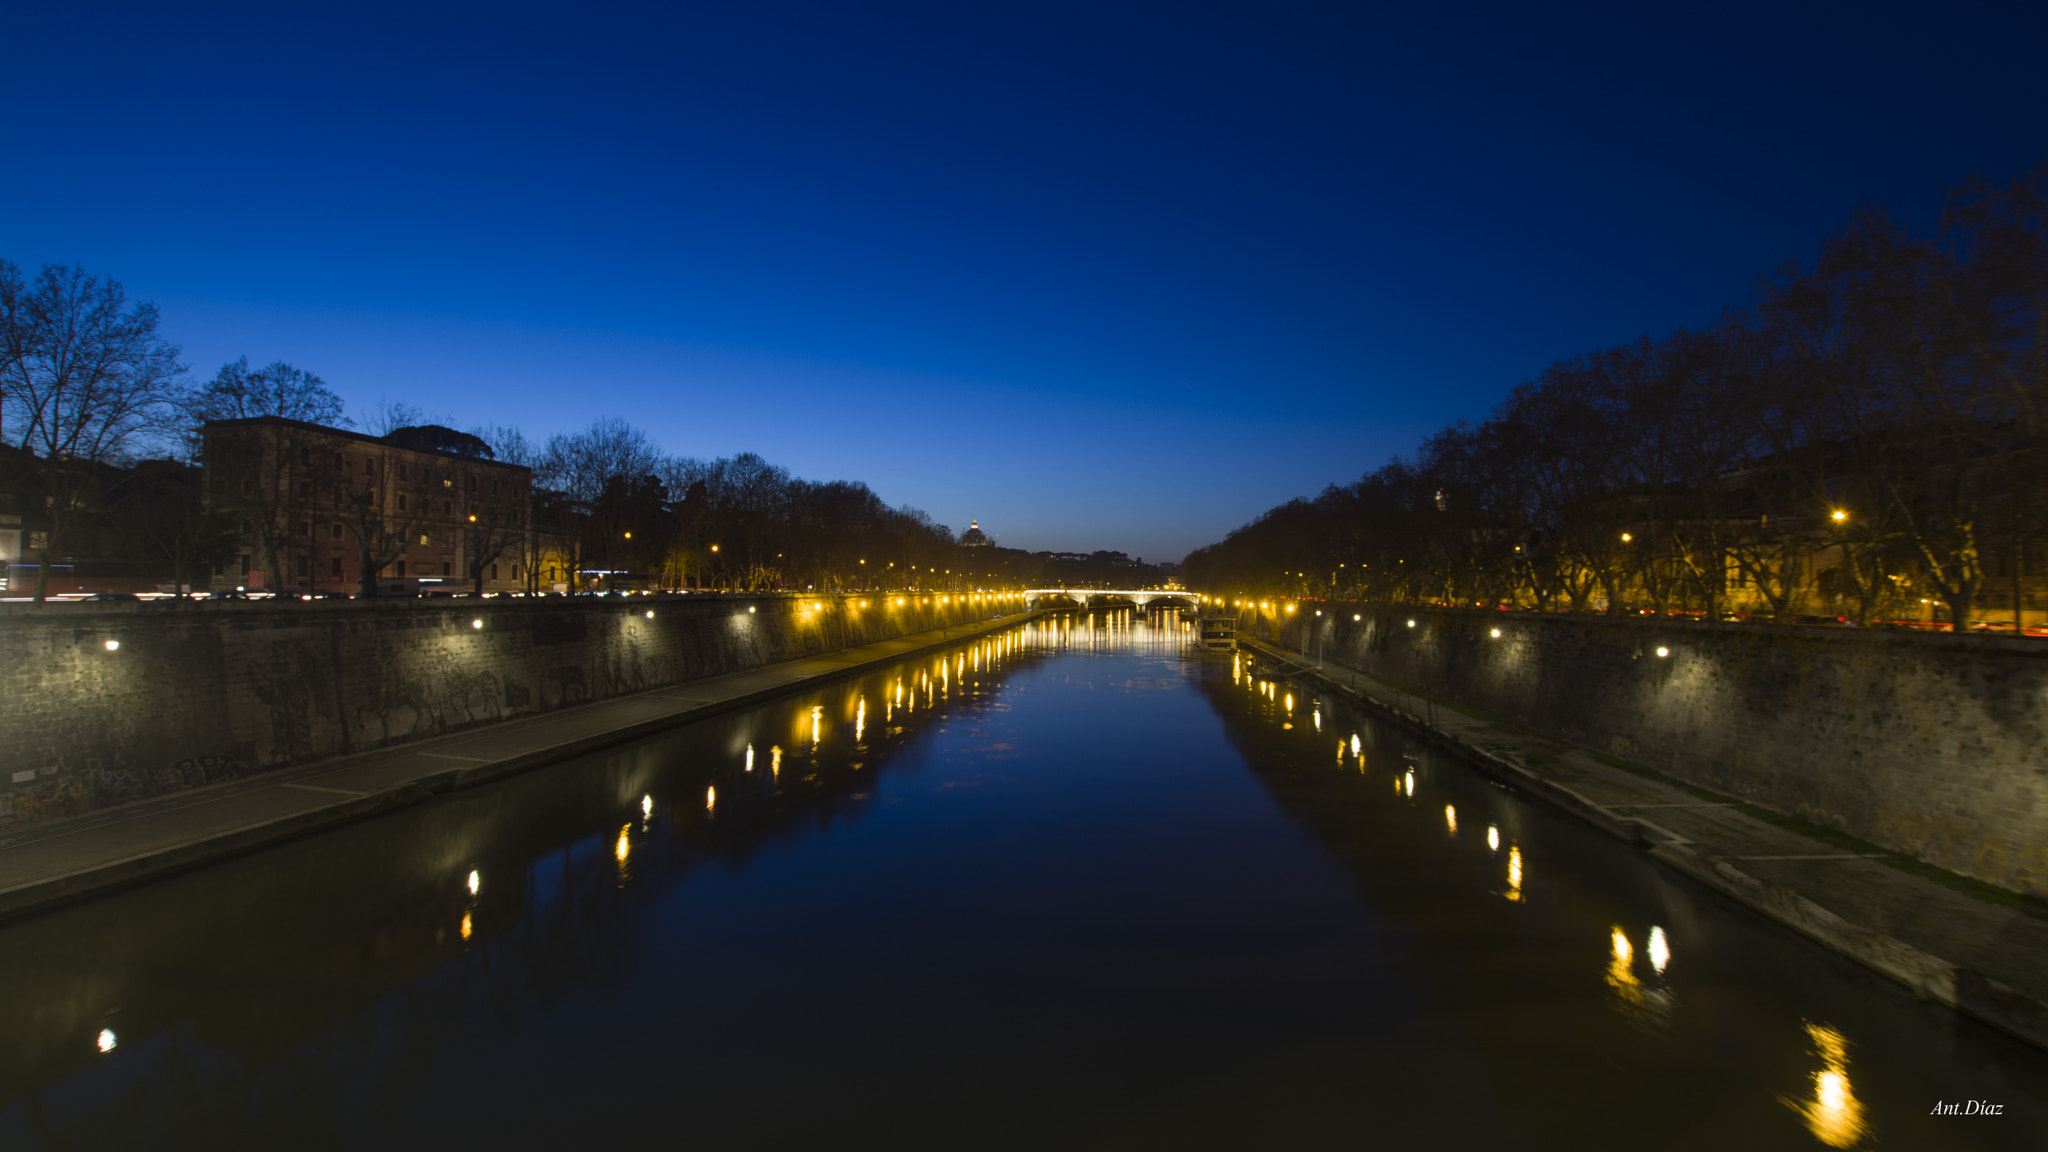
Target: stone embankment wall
197	693
1926	743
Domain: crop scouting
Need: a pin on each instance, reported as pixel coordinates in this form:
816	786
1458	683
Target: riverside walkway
59	861
1971	946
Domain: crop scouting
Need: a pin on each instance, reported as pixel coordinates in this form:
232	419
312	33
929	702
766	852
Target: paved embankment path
1973	947
58	861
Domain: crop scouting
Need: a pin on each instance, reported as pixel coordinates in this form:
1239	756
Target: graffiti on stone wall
64	789
287	683
474	693
564	686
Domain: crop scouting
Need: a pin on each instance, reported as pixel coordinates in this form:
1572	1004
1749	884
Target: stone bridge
1088	597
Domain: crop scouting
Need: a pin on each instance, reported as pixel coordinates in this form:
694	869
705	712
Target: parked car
114	596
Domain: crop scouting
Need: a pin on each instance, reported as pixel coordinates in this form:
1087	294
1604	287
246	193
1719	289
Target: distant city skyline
1102	279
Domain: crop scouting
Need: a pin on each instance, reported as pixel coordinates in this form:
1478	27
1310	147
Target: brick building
314	507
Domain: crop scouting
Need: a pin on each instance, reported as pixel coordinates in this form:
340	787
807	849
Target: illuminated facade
314	506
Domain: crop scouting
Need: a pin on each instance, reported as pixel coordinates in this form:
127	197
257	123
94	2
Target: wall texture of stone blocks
198	693
1926	743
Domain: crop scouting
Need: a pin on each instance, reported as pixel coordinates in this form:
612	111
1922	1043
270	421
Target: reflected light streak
1319	719
646	807
1514	874
1659	949
107	1039
1408	779
710	800
1451	819
860	719
1834	1115
1493	837
467	926
775	760
750	757
1354	743
475	882
624	847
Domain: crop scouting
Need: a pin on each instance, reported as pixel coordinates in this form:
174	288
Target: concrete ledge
73	859
1955	986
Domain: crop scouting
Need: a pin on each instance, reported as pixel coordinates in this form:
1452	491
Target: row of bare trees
609	500
1871	433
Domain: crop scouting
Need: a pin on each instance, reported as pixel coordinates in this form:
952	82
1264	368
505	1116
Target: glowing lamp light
113	645
1411	623
475	882
1663	652
1495	633
107	1040
478	623
646	807
750	610
1840	515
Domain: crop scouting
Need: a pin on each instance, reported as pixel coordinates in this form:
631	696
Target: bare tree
86	380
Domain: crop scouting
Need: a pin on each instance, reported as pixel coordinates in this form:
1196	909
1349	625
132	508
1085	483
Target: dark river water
1071	886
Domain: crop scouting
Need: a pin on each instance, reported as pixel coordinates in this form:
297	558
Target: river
1070	885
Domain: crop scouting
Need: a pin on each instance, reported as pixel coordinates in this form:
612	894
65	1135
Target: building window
447	569
424	539
447	507
334	566
401	472
494	571
38	541
305	528
369	466
401	568
401	499
337	531
245	563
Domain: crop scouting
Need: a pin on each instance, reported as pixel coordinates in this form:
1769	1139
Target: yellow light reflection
1493	837
624	847
1659	950
710	801
1408	779
1834	1115
817	718
1319	719
860	719
467	927
775	760
1354	743
475	882
1514	874
1290	701
1451	819
750	757
646	807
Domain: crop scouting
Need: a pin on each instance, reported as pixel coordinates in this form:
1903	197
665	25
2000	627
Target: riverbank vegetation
1865	440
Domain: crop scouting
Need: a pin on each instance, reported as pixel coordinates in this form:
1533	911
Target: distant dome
973	538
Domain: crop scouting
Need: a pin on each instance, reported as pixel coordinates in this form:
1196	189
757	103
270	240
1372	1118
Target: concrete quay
1962	943
56	862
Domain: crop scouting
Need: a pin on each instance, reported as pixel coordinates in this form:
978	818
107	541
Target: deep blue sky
1105	276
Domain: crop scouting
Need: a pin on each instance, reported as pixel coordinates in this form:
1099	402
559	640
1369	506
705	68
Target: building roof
345	434
973	537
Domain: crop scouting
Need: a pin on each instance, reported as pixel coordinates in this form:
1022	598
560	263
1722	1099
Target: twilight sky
1103	275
